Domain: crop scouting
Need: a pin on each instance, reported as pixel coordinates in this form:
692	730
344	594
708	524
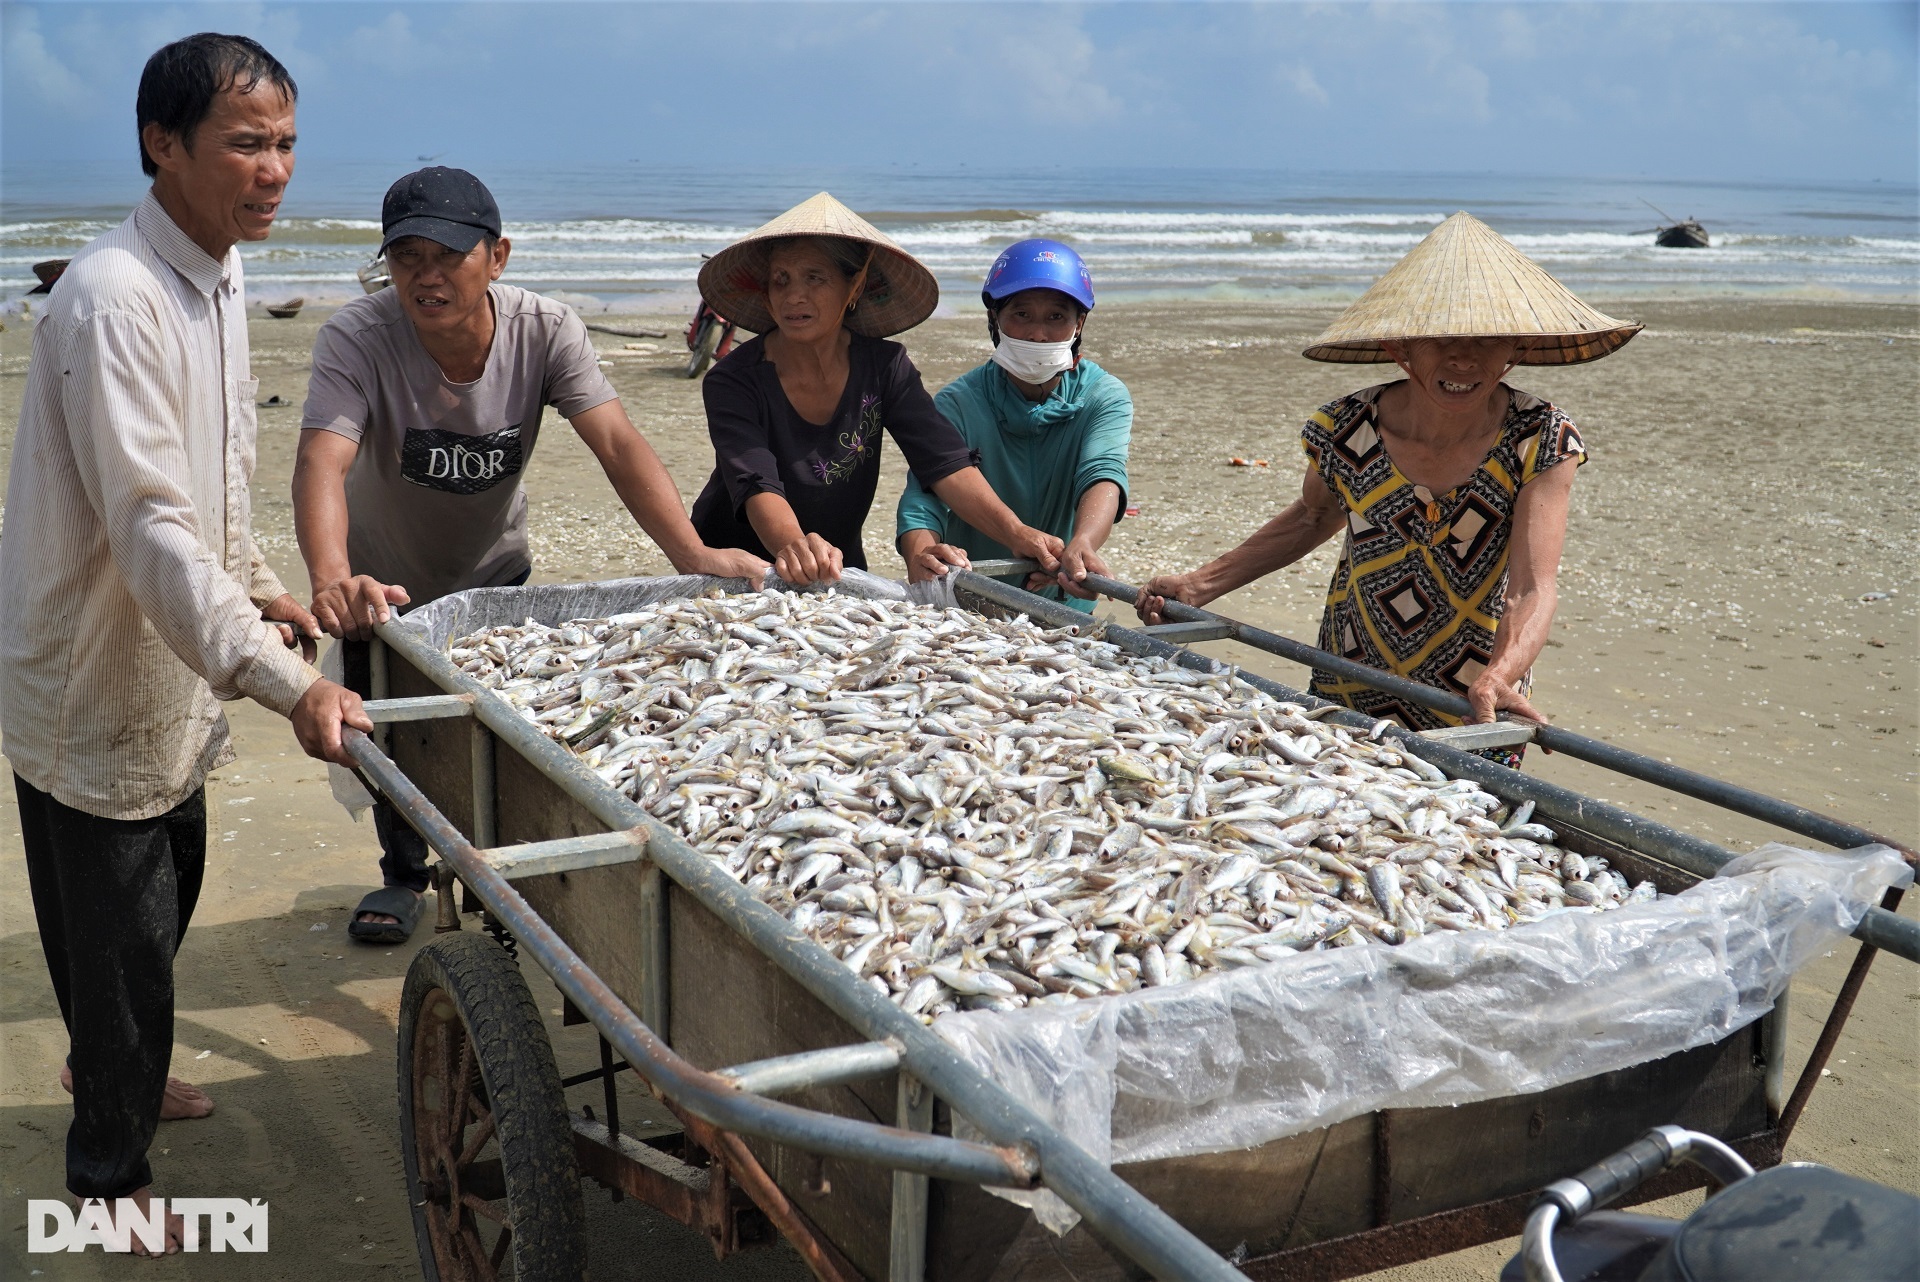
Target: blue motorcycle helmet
1035	264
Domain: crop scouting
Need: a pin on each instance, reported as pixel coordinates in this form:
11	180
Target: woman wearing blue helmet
1050	429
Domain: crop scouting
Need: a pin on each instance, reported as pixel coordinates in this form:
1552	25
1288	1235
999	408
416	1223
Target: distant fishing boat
48	272
1685	234
1677	233
287	310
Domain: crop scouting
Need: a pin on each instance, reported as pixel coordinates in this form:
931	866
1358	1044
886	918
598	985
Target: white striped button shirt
130	584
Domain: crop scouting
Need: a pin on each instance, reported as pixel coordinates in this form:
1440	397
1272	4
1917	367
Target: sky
1735	91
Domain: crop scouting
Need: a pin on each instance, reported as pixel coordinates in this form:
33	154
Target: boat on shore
1677	233
47	273
1685	234
287	310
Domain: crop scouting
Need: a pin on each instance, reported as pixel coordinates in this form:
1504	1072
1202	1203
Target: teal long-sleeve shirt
1039	458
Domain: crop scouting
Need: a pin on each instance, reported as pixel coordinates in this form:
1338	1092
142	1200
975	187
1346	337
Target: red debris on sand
1237	461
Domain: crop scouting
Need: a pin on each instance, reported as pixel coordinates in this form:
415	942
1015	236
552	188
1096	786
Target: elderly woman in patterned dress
1451	486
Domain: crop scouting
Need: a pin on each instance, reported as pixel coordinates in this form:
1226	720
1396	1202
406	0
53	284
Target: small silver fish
1036	814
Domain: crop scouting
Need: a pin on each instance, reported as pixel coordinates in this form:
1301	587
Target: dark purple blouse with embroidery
827	473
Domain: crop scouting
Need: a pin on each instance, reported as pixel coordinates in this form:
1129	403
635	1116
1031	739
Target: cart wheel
703	347
483	1123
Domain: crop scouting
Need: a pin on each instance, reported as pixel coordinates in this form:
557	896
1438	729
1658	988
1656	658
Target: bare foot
182	1102
176	1230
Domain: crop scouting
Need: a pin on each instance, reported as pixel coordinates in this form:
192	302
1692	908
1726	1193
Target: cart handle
707	1096
1613	1178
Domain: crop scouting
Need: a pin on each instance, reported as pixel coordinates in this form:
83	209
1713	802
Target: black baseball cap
448	206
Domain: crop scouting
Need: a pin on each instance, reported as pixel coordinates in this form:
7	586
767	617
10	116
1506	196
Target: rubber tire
522	1084
703	348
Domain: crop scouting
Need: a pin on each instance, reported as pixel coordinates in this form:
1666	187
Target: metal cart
811	1107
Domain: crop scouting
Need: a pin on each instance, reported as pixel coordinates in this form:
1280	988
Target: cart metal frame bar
834	1066
1025	1149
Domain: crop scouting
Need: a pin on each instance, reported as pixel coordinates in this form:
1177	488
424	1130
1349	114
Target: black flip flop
393	901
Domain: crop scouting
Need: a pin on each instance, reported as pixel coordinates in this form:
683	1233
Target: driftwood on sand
624	332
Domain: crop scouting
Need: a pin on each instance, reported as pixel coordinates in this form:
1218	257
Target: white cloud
1767	89
1438	73
1516	36
1055	75
387	45
1300	78
32	68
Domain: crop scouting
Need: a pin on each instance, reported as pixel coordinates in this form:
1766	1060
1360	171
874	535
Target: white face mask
1033	363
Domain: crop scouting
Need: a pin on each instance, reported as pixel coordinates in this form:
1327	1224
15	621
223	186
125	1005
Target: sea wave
1330	252
623	230
883	217
1908	248
1128	219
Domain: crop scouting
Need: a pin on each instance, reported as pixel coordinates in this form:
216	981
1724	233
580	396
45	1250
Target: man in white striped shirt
133	596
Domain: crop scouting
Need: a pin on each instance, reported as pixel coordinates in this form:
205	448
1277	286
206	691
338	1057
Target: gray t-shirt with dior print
433	498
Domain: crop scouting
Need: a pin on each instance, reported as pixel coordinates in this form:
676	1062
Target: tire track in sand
365	1147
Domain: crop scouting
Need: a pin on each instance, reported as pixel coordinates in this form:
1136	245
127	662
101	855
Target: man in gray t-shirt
422	412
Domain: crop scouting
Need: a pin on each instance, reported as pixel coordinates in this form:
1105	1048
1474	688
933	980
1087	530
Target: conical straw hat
1465	280
900	293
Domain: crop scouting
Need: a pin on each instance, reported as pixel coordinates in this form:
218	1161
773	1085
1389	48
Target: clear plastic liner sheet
1247	1056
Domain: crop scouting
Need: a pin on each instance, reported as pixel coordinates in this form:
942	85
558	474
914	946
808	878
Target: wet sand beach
1740	594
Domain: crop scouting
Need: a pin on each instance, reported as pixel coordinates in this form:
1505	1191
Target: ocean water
631	237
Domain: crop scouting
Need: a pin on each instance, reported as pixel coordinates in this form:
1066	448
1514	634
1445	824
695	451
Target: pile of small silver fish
973	812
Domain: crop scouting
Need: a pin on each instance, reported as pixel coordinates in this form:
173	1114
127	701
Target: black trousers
112	898
403	853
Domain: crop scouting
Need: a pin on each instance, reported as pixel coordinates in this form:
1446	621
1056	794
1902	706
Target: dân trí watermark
231	1224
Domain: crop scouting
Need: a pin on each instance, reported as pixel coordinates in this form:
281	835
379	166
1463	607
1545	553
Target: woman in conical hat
1451	487
796	414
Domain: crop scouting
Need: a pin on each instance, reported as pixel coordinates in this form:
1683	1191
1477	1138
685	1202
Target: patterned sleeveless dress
1422	578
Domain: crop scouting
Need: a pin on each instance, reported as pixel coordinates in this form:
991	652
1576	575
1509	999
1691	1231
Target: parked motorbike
373	274
709	338
1797	1221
